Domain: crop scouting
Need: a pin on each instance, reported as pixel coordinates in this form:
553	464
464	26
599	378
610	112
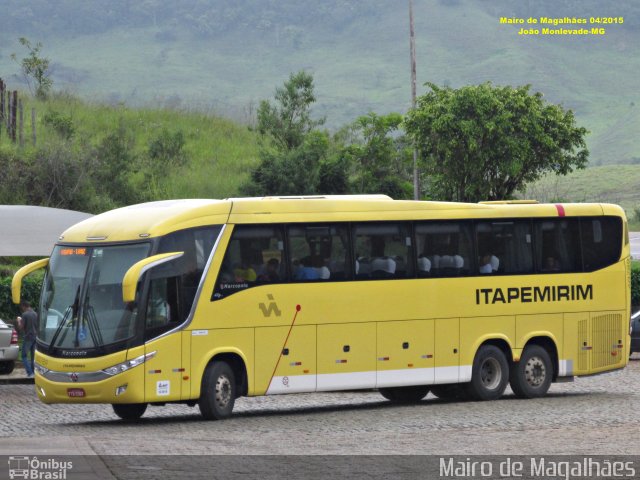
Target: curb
17	377
16	381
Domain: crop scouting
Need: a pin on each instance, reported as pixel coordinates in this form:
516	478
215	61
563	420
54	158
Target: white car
8	348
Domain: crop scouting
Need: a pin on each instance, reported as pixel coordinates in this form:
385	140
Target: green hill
224	57
608	184
214	160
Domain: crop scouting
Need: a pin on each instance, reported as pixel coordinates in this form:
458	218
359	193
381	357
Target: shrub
30	291
635	283
60	123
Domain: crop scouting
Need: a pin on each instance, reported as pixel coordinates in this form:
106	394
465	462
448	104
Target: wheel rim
223	391
490	373
535	372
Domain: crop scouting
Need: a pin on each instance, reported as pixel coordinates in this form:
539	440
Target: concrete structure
29	231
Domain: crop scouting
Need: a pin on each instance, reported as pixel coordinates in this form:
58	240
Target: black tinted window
187	270
557	245
383	250
444	249
504	246
173	285
601	241
319	252
255	255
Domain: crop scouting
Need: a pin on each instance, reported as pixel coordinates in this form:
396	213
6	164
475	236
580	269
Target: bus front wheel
129	411
405	394
531	376
218	393
489	375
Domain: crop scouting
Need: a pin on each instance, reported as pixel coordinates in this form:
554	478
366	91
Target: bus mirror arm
130	280
16	281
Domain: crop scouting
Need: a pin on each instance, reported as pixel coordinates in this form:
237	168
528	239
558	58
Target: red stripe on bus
560	209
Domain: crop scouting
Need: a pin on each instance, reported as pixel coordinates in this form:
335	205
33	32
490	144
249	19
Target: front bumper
8	354
126	387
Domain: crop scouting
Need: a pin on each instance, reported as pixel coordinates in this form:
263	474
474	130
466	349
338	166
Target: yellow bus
204	301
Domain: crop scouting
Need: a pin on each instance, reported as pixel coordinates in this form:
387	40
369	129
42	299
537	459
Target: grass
219	151
619	184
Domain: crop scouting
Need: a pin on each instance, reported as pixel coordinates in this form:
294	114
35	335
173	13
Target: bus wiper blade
94	328
70	312
67	315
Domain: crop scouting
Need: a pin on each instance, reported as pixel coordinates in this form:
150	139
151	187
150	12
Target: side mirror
130	280
16	282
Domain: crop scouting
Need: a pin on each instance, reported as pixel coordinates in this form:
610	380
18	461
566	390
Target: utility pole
412	48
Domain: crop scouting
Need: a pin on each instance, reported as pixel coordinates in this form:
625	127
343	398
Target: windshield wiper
94	329
70	312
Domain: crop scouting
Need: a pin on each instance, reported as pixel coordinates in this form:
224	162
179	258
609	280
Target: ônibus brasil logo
34	469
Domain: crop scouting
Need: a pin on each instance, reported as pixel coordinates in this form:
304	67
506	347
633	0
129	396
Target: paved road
595	415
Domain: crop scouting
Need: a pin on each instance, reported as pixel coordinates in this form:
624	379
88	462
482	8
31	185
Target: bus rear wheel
405	394
129	411
489	375
531	376
218	393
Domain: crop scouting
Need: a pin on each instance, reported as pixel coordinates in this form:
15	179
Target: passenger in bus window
245	273
485	264
306	270
271	271
551	265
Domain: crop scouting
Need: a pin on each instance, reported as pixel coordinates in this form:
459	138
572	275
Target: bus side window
254	257
162	305
504	246
444	249
173	285
382	250
601	241
318	252
557	245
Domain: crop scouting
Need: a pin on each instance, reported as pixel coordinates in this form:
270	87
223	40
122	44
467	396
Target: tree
115	164
379	156
289	120
36	68
305	170
296	159
485	142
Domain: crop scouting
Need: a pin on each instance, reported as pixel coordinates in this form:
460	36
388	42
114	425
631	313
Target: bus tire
489	375
218	393
411	394
450	392
531	376
129	411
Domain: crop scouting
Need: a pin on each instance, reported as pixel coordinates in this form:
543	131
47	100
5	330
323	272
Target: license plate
75	392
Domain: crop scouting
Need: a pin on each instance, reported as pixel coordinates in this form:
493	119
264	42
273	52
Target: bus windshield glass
82	305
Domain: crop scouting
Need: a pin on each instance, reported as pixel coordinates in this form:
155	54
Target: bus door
164	372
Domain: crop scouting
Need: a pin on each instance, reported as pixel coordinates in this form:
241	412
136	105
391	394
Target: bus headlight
124	366
40	370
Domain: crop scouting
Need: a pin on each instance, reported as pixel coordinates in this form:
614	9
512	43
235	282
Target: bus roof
159	218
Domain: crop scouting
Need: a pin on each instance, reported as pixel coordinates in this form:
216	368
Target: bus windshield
82	305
